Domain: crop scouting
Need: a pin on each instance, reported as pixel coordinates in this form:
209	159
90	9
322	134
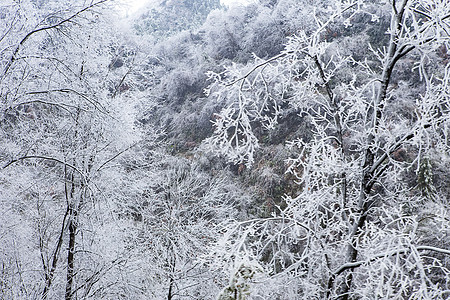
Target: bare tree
176	208
65	132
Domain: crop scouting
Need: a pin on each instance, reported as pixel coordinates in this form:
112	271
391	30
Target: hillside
286	149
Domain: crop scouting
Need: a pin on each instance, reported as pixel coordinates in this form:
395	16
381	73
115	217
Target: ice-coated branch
45	28
356	264
256	67
119	153
65	164
391	150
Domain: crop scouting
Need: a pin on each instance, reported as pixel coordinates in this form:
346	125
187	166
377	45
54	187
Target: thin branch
356	264
401	53
394	148
421	13
69	90
260	220
122	80
116	155
45	28
60	105
259	66
45	158
394	7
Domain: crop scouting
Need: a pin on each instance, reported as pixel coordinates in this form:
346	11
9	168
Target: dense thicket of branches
289	149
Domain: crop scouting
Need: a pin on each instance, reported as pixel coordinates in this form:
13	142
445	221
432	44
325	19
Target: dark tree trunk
169	295
71	253
49	276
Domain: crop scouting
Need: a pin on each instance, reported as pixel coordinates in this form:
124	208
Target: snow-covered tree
164	18
63	131
176	207
368	79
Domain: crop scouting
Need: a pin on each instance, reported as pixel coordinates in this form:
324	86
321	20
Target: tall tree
62	133
356	228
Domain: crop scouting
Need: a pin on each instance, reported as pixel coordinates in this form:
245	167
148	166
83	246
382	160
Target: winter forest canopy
286	149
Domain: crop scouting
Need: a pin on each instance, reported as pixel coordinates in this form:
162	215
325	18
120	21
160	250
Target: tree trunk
171	282
51	273
169	295
70	254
